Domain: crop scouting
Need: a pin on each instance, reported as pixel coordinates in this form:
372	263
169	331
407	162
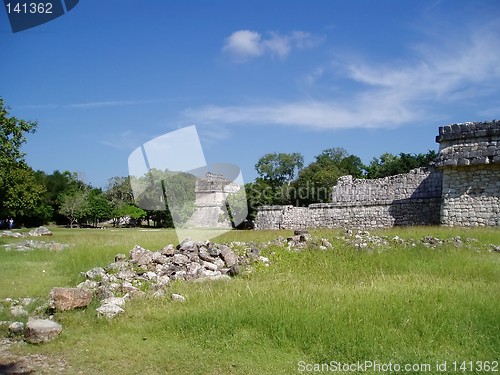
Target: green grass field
399	305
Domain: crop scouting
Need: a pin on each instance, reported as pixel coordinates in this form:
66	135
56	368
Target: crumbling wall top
468	130
468	144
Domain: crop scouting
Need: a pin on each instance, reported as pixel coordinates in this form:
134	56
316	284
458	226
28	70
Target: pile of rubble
144	270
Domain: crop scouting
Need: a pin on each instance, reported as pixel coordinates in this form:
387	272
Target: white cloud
454	71
243	45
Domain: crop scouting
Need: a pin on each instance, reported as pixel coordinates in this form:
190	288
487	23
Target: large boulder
38	331
40	231
63	299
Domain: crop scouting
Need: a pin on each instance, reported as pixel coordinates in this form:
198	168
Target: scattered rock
109	311
41	330
63	299
178	297
18	310
430	241
9	233
16	328
30	245
117	301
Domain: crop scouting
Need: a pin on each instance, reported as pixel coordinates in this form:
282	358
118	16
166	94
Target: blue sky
254	76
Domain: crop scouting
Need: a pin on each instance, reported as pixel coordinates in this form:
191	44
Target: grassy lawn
398	304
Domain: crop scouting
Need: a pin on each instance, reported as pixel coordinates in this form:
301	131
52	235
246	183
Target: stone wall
463	190
469	156
407	199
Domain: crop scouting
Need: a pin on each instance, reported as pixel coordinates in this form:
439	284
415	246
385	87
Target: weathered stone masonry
463	189
405	199
469	156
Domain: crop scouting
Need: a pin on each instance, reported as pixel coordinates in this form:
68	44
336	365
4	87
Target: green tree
74	206
389	165
129	210
166	196
20	193
315	182
277	169
99	207
57	184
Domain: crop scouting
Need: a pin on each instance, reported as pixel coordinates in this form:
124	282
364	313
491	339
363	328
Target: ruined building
462	188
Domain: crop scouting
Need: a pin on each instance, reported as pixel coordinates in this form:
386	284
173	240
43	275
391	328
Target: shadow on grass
15	368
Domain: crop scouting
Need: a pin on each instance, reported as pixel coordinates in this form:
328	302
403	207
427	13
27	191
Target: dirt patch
13	364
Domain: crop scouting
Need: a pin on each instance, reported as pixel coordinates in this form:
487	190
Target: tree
167	197
277	169
58	184
315	182
20	193
99	207
119	191
389	165
129	210
74	206
12	136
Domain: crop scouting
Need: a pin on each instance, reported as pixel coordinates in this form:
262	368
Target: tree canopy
20	192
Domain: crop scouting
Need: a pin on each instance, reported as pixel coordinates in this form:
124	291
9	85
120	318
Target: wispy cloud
126	140
448	71
243	45
91	105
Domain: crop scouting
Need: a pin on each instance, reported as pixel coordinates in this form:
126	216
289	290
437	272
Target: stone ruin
462	188
210	210
469	158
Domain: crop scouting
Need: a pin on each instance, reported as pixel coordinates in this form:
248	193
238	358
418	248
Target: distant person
11	223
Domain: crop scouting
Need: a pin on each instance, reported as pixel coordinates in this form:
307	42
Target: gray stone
213	251
178	297
18	311
40	231
41	330
118	301
104	292
120	258
205	255
218	277
16	328
96	273
168	250
180	259
109	311
140	256
210	266
188	245
228	255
